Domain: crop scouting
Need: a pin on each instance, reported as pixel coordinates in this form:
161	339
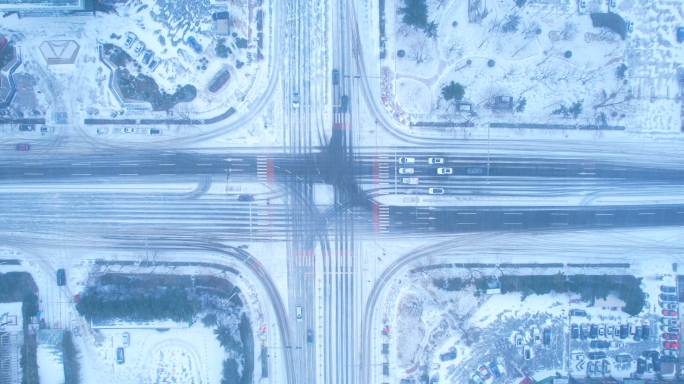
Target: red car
3	42
484	372
22	147
669	313
670	336
670	345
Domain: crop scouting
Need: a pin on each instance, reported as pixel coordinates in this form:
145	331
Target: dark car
664	297
668	360
546	337
668	289
147	56
641	366
646	331
336	76
27	127
578	312
584	331
476	171
309	336
344	102
194	44
638	333
650	354
656	364
624	331
680	34
246	198
574	331
600	344
61	277
22	147
623	358
154	64
596	355
593	331
495	370
447	356
120	356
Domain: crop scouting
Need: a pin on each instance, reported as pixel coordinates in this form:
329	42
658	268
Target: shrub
414	13
172	304
620	71
511	24
453	91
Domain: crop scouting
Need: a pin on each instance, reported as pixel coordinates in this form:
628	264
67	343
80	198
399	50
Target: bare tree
420	53
588	73
454	49
570	31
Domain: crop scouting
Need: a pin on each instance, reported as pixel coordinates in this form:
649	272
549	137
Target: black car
664	297
574	331
547	337
668	360
147	56
641	366
596	355
447	356
624	331
194	45
600	344
656	364
578	312
668	289
646	332
638	333
651	354
680	34
584	331
309	336
336	76
61	277
246	198
120	356
344	102
593	331
27	127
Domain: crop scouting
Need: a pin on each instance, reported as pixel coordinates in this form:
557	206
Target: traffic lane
506	219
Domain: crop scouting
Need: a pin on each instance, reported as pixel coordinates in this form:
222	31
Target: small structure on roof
59	51
504	103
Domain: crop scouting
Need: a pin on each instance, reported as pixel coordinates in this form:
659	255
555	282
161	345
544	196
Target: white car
101	131
407	160
435	160
670	352
616	344
129	130
445	171
130	39
436	191
577	356
406	171
139	48
295	100
126	339
299	313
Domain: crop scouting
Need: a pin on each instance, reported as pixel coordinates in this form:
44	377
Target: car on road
46	129
527	352
593	331
476	171
406	171
139	48
245	197
495	370
435	160
547	336
436	191
484	372
154	64
344	103
126	339
309	336
669	329
670	336
445	171
22	147
670	344
447	356
299	313
27	127
130	39
295	100
147	56
336	76
600	344
407	160
155	131
596	355
61	277
666	297
101	131
667	312
668	289
518	340
667	321
120	356
194	45
574	331
128	130
668	305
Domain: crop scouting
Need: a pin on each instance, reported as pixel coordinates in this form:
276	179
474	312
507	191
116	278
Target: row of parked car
151	131
148	59
622	331
485	372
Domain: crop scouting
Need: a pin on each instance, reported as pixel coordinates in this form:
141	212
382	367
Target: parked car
129	130
630	26
670	336
670	344
645	331
596	355
475	378
669	313
665	297
584	331
547	336
194	45
616	331
668	289
147	56
613	3
656	364
650	353
668	321
574	331
126	339
623	358
22	147
638	333
600	344
155	131
606	368
435	160
669	359
479	171
484	372
669	329
577	356
309	336
101	131
336	76
641	366
445	171
624	331
130	39
590	368
61	277
609	330
593	331
436	191
616	344
601	330
120	355
535	335
447	356
527	352
406	171
139	48
47	129
154	64
495	370
407	160
27	127
578	312
518	340
668	305
245	197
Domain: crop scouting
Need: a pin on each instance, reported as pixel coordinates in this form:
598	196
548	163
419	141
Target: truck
409	180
